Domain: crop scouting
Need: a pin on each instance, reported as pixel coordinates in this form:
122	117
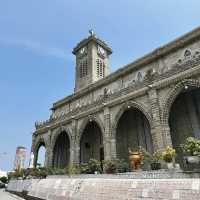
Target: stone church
152	102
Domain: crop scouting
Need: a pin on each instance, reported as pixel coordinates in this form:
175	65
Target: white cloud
37	47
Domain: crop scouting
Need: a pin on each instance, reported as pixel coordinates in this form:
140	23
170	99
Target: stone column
159	135
113	148
33	150
167	140
49	151
110	141
74	146
50	157
107	134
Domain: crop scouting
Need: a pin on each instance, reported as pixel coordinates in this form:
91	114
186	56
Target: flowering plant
157	156
168	154
148	157
191	146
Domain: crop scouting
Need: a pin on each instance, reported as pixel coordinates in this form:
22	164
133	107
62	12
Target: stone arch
61	162
127	106
91	139
172	94
90	119
132	128
57	132
180	114
40	141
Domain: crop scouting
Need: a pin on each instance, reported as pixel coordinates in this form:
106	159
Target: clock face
101	50
83	50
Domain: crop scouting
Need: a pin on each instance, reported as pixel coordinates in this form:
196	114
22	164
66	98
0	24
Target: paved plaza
7	196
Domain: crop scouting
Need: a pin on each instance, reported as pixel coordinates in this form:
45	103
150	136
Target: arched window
100	68
83	67
187	54
139	77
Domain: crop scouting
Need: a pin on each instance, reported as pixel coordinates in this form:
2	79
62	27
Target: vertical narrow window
83	68
100	68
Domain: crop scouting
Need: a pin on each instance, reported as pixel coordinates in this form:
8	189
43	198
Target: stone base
138	174
105	187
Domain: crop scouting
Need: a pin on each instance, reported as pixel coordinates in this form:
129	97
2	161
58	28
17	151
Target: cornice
182	69
124	96
146	59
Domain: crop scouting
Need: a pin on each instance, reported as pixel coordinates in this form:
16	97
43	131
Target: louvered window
100	68
83	68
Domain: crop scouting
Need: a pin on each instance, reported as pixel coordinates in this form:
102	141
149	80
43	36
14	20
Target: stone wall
163	76
107	187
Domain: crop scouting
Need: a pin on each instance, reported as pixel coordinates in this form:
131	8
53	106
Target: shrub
191	146
84	168
91	167
110	166
73	169
15	174
38	172
122	166
94	166
59	171
4	179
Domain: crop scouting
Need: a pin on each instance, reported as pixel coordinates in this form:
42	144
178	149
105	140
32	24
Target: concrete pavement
7	196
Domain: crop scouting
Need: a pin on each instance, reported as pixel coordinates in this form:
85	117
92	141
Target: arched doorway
61	151
184	117
91	143
40	155
133	130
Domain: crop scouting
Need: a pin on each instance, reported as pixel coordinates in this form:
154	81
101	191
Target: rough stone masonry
151	102
106	188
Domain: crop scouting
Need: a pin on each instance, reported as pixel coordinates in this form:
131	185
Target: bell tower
92	55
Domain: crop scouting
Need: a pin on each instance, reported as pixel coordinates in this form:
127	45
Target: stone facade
135	102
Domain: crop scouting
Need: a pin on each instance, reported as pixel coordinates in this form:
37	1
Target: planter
192	159
146	166
156	166
170	165
110	171
135	160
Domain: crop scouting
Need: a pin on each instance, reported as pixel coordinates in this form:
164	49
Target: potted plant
135	159
146	158
191	147
155	160
168	155
151	161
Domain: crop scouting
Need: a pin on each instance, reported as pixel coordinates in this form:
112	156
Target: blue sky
36	40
